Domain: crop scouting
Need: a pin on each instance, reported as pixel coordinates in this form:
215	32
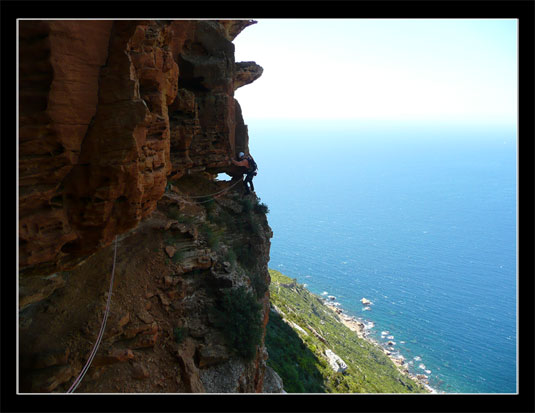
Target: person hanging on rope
249	167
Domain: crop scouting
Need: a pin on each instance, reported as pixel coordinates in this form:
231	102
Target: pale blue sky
387	69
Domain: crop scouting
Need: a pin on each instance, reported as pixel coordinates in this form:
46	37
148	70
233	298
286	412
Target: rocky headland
326	350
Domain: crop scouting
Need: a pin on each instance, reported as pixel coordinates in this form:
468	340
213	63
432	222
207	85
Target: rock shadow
290	357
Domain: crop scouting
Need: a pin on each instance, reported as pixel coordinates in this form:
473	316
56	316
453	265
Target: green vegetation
247	205
299	357
212	236
219	216
168	187
211	210
179	333
178	256
237	315
296	363
250	209
261	208
232	234
221	220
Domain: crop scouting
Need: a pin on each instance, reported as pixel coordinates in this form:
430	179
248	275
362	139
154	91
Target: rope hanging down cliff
108	302
102	328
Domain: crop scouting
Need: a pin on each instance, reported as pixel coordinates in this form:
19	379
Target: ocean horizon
420	219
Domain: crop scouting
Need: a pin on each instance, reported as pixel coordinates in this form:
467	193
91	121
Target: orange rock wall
108	111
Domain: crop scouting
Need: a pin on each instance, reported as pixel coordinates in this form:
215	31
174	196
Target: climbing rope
209	195
102	328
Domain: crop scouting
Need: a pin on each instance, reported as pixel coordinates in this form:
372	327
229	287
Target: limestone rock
34	289
224	377
134	331
145	340
144	315
272	382
365	301
336	363
197	327
115	356
163	298
139	371
212	354
234	27
189	372
123	320
170	251
247	72
170	281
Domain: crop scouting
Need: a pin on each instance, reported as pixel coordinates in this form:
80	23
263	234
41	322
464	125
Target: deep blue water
420	219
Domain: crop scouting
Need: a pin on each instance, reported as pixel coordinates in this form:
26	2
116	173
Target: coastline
361	329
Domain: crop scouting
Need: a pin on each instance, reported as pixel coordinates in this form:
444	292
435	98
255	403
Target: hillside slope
303	334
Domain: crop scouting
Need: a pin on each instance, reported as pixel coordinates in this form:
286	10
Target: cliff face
123	127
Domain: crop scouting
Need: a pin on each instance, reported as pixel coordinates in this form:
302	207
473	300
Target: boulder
212	354
336	363
246	72
139	371
115	356
272	382
189	372
170	251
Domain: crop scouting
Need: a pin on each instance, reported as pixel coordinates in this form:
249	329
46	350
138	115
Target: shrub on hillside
261	208
296	364
247	205
179	333
237	315
178	256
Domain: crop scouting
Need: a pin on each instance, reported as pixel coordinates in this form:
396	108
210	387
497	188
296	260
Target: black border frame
523	10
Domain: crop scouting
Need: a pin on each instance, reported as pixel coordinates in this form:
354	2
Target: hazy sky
410	69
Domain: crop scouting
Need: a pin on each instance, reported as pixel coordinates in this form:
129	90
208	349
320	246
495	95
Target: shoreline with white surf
363	328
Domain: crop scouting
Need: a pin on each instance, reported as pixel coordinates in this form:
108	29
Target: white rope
102	328
209	195
218	192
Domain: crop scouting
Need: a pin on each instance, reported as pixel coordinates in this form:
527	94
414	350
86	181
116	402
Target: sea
420	218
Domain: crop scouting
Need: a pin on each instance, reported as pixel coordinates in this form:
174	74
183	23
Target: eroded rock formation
104	122
123	125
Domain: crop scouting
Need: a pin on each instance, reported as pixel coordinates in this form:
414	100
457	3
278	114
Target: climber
250	168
